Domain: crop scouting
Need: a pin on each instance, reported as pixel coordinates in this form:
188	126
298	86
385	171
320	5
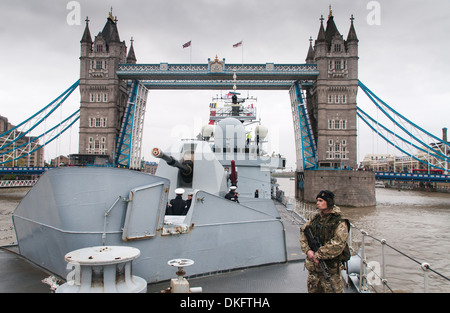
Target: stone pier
351	188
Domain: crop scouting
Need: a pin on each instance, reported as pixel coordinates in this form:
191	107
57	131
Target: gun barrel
185	168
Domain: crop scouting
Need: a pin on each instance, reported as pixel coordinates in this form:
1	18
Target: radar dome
230	133
262	131
207	131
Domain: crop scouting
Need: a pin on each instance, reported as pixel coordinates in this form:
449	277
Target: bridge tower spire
310	56
131	58
86	40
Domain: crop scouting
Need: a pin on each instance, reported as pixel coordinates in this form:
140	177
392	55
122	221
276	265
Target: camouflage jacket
330	250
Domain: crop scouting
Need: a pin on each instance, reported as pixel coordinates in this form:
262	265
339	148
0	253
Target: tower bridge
323	88
323	93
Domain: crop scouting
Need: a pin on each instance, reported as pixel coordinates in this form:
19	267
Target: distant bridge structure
436	178
20	141
174	81
17	183
23	170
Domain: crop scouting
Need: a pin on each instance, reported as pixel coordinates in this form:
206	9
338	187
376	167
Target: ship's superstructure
239	141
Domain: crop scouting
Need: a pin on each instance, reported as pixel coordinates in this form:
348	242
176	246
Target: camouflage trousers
317	283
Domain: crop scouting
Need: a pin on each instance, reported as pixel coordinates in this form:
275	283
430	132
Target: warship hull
74	207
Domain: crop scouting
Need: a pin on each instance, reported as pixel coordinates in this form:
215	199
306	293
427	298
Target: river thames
416	223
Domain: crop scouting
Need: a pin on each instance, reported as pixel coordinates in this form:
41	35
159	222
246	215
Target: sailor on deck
232	194
177	205
188	202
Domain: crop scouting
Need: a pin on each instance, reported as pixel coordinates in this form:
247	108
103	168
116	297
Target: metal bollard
102	269
425	267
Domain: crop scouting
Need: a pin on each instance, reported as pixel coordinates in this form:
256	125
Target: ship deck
288	277
18	275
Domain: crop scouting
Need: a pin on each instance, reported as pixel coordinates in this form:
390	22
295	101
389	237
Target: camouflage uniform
329	251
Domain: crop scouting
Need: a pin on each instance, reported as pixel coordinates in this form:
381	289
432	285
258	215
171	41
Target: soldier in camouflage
332	230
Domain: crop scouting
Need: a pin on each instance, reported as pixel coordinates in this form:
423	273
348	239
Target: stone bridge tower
331	104
103	95
332	100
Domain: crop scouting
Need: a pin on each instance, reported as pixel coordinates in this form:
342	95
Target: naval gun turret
186	167
207	174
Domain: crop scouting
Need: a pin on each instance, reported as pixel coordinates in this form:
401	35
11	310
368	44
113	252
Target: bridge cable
75	116
396	146
368	91
64	96
436	151
371	95
398	136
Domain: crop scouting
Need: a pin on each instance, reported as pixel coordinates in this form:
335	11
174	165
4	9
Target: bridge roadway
218	75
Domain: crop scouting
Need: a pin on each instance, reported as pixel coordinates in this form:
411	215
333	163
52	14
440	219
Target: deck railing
17	183
372	274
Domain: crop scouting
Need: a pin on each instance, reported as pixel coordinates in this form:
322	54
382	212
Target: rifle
314	244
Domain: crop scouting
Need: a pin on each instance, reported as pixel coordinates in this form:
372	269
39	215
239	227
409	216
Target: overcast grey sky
403	49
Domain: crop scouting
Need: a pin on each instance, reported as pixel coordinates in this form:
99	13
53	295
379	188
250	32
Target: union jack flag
237	44
187	44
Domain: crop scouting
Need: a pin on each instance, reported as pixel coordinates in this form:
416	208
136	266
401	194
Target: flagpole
242	53
240	43
189	44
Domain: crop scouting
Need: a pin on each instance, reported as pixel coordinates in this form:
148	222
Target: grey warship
73	208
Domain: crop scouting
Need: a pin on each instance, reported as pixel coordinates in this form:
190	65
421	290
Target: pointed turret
331	30
352	33
320	45
110	32
352	40
86	40
321	34
87	34
131	58
310	55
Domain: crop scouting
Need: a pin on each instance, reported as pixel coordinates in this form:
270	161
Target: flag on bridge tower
240	44
187	44
237	44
